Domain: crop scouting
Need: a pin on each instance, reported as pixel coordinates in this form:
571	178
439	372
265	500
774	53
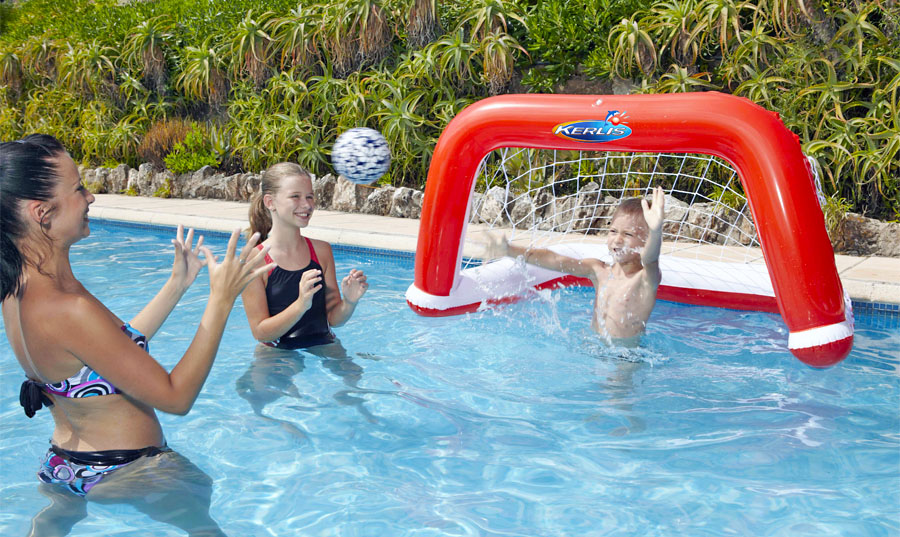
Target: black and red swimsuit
282	290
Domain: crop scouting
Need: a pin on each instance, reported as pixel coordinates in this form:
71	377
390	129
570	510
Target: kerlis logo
595	131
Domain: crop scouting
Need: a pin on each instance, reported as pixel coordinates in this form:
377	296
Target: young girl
294	305
90	368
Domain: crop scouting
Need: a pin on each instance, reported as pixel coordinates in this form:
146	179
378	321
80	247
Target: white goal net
542	197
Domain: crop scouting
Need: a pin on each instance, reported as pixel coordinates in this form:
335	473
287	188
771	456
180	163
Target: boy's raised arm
654	215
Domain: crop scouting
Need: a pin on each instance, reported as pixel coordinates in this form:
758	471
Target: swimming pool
513	422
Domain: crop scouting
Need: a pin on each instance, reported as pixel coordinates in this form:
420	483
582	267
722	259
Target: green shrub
192	154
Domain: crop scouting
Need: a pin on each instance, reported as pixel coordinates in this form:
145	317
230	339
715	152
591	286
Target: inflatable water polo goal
744	227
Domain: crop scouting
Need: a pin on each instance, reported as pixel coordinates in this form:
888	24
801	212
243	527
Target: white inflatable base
507	277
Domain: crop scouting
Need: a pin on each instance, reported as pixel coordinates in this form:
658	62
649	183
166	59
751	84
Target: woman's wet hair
28	171
260	219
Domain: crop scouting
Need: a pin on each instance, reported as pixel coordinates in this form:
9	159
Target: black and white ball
361	155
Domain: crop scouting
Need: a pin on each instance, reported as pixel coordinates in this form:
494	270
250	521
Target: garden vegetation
243	84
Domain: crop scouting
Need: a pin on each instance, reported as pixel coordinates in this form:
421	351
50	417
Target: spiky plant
295	37
249	48
145	50
11	73
203	75
498	50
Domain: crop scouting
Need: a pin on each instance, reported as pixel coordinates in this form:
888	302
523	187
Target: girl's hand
228	278
187	262
655	215
310	283
354	286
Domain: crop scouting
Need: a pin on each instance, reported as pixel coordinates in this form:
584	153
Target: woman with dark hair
92	369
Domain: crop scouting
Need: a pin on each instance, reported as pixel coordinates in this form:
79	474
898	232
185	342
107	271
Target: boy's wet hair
630	207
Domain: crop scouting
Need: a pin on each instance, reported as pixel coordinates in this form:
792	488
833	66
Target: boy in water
626	289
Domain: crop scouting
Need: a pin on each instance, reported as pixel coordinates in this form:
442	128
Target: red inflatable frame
767	156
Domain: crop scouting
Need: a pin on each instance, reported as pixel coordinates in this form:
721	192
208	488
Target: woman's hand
187	262
228	278
310	283
656	214
354	286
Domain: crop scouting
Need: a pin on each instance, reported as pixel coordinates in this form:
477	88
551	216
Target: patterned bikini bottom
79	471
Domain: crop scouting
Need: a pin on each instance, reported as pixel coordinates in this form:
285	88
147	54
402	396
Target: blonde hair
260	219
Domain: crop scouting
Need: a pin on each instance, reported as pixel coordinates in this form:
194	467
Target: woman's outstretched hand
229	277
187	262
354	286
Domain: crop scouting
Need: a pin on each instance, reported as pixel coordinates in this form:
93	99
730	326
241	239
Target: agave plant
760	86
203	75
830	93
11	73
454	55
632	45
786	15
309	150
418	67
40	56
756	50
296	36
130	89
354	103
485	17
10	120
679	80
340	44
498	52
88	69
723	19
286	92
401	120
675	24
145	112
95	121
325	93
248	47
144	48
856	27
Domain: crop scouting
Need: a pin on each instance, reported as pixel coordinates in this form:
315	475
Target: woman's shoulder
63	314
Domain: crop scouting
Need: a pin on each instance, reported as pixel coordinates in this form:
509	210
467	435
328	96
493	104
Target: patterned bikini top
87	383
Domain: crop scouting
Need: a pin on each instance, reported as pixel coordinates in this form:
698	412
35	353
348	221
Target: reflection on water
271	377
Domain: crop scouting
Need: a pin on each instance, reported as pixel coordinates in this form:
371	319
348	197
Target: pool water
509	422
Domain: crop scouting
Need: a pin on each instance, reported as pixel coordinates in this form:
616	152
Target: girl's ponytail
260	219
